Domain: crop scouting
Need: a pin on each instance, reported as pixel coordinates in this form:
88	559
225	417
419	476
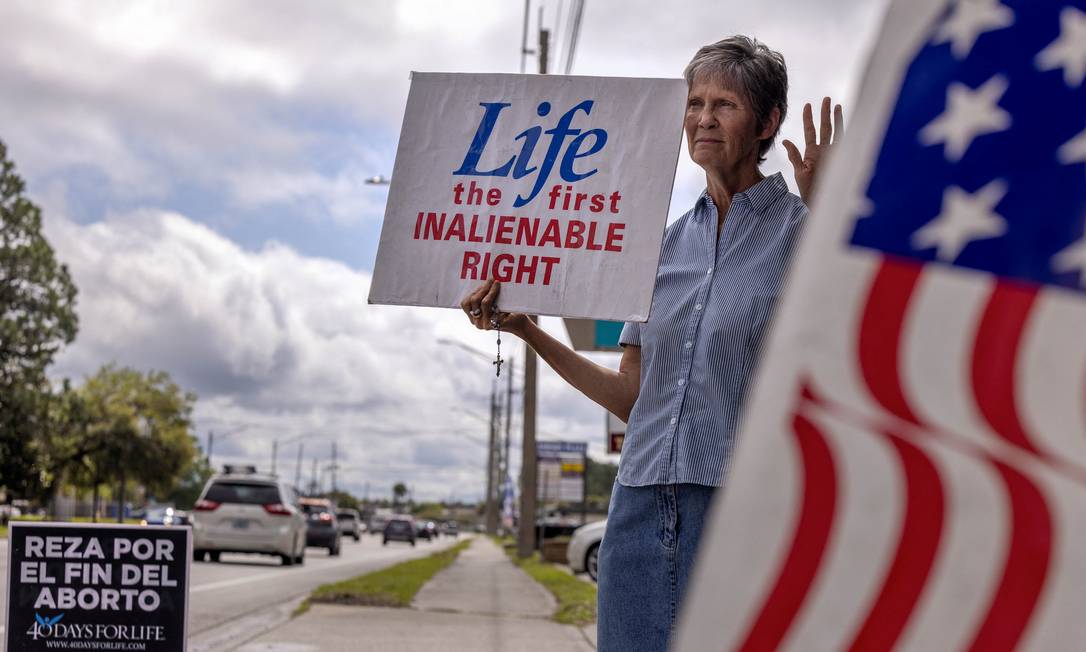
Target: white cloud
154	95
287	346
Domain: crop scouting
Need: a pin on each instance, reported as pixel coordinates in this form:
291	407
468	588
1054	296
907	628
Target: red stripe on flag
995	354
1025	568
918	543
880	334
812	532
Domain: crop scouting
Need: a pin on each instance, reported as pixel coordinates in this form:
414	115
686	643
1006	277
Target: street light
275	454
222	435
492	447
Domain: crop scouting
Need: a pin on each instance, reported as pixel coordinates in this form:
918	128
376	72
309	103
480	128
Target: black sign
97	587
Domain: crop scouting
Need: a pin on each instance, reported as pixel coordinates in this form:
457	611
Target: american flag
912	472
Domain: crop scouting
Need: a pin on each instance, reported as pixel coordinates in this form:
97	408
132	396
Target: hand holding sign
481	307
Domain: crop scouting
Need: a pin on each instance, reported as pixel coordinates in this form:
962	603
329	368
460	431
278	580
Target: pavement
481	603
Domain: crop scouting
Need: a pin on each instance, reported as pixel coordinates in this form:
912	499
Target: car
584	548
452	529
322	527
426	530
243	511
164	516
399	529
376	524
350	523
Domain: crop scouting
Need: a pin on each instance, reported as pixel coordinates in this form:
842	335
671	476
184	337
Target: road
241	585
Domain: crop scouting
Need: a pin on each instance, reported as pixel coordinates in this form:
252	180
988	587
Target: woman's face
721	128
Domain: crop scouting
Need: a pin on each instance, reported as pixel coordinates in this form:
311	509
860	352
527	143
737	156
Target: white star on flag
964	218
1071	259
970	19
969	113
1068	51
1073	151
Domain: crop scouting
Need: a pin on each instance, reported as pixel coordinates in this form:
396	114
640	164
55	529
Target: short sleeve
631	334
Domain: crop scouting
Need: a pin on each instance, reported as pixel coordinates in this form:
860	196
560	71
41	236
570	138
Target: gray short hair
748	67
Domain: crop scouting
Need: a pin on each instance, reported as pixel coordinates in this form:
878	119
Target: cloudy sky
201	166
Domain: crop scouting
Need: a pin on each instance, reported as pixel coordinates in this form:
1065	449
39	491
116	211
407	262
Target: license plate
241	524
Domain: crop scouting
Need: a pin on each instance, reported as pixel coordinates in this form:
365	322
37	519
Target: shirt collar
760	196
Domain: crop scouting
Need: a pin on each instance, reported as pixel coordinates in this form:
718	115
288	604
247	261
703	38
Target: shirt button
697	307
682	381
674	420
688	344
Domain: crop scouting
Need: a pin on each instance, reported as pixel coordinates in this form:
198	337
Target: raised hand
817	150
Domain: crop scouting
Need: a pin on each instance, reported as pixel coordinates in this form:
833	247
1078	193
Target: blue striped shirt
712	302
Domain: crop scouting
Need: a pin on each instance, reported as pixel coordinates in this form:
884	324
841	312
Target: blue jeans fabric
645	561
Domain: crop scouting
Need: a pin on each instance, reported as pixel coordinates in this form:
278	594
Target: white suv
583	552
247	512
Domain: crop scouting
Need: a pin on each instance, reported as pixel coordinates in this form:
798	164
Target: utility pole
210	444
275	454
333	467
504	472
491	514
313	482
528	470
298	468
544	44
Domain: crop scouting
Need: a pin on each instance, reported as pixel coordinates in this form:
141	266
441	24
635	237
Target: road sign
561	470
594	334
75	586
616	433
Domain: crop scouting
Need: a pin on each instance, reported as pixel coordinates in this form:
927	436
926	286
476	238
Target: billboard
561	471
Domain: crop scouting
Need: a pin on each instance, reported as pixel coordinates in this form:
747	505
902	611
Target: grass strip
394	586
576	598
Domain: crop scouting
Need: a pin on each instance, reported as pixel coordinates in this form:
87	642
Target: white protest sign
556	186
911	474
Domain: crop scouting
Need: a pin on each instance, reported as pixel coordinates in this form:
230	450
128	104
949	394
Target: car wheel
286	560
215	556
412	543
356	538
384	542
198	555
591	562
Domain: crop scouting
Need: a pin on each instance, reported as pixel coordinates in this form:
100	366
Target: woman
683	374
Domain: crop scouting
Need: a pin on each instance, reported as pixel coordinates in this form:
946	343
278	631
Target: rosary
496	325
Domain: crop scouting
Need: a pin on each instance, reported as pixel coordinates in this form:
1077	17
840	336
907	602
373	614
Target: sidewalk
482	603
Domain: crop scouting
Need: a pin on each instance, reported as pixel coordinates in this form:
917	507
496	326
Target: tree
37	318
399	490
139	429
192	482
599	478
344	499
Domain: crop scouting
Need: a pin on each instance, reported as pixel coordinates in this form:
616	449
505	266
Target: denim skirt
645	560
